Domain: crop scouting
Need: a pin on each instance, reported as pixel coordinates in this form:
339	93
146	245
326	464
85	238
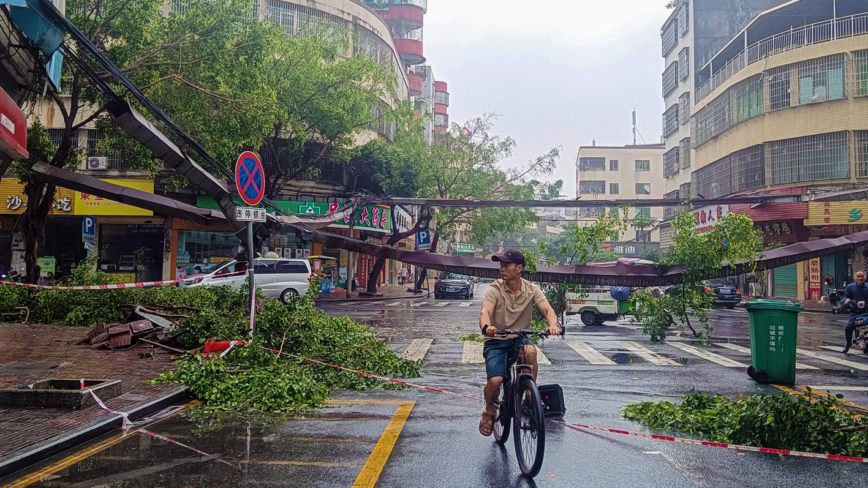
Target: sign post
250	184
88	234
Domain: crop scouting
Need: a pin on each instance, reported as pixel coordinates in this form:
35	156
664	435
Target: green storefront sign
368	217
465	249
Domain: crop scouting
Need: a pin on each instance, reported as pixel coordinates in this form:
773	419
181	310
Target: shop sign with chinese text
87	204
14	201
705	218
837	213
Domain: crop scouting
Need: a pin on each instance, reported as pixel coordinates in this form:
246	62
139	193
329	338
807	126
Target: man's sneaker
846	349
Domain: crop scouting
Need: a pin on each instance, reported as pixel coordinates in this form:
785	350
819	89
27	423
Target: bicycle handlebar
507	332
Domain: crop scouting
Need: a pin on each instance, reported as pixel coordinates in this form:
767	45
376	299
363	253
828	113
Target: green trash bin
773	333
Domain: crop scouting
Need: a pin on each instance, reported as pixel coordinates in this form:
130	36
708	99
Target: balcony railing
384	4
441	98
808	35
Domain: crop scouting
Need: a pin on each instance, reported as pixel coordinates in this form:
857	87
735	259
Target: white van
277	278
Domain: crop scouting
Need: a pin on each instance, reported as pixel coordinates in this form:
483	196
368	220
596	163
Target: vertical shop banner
363	271
815	286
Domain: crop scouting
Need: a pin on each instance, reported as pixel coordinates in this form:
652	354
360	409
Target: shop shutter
785	282
665	238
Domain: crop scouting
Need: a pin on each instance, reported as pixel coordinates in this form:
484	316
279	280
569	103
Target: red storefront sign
815	287
13	128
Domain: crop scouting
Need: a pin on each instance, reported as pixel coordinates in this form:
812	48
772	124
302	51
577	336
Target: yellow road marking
325	440
68	461
377	460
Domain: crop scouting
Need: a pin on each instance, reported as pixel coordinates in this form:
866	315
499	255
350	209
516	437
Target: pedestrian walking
404	273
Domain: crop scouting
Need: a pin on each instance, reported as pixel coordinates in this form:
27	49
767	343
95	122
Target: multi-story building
779	107
609	173
689	38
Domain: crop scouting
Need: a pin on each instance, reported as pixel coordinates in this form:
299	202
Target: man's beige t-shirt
512	312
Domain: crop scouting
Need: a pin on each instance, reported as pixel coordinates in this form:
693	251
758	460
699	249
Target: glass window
643	236
290	267
595	212
643	165
643	211
821	79
592	187
643	188
613	165
614	189
749	99
592	164
779	88
230	271
200	252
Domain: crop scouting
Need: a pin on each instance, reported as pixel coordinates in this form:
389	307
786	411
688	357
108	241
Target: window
613	165
670	162
592	164
684	64
592	187
290	267
613	189
684	108
643	188
811	158
669	37
591	212
283	15
643	211
670	120
749	99
860	59
684	152
670	78
643	236
861	139
683	18
779	88
821	79
684	191
643	165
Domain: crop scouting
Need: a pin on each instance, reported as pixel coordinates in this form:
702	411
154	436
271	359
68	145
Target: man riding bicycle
508	304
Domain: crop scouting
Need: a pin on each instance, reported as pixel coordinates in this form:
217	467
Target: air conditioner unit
97	162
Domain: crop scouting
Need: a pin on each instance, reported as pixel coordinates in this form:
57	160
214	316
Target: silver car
277	278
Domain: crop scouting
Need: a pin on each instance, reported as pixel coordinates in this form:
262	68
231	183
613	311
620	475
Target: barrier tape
586	428
124	415
233	344
121	286
173	441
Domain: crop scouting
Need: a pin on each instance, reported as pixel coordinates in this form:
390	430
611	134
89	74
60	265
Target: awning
137	198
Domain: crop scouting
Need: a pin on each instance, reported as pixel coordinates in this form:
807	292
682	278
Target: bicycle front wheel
501	418
530	430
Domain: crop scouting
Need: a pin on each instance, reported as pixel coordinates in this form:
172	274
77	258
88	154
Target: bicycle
519	402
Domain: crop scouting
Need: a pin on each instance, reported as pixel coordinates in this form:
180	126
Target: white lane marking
418	304
417	349
840	388
710	356
472	353
746	350
856	351
589	353
823	357
646	354
443	304
393	304
541	358
345	304
466	304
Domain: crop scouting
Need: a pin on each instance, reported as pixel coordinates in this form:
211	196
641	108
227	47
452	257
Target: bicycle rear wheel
530	429
501	418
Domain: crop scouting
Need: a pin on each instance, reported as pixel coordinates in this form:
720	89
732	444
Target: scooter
836	300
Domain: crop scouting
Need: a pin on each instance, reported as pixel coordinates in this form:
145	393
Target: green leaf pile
805	423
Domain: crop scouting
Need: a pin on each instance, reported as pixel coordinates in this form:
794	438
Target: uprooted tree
733	240
202	66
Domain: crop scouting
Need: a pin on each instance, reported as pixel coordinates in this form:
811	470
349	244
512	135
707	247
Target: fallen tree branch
179	351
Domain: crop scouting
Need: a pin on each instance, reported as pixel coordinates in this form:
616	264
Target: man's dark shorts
496	353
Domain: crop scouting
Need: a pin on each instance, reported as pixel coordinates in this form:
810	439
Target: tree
465	164
732	241
641	222
201	66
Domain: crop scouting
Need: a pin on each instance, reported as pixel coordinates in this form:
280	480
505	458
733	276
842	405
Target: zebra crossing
596	351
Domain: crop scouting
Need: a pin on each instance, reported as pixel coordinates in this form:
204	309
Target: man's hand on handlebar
490	331
554	330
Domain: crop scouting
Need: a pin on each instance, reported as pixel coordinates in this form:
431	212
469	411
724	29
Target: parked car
277	278
452	284
725	293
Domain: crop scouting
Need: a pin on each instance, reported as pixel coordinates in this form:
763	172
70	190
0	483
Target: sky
558	72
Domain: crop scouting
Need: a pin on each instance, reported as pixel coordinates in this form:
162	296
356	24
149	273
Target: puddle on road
326	447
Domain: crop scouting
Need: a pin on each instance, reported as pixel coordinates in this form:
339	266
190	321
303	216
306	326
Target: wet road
419	439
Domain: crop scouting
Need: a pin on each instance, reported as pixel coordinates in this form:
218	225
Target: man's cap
510	256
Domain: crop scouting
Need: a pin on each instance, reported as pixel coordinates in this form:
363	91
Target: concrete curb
414	296
40	451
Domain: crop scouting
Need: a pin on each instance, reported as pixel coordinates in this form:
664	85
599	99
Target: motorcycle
836	300
861	335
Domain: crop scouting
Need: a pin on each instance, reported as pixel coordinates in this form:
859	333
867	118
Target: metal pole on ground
251	277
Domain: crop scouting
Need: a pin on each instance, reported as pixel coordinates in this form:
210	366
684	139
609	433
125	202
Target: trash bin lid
762	304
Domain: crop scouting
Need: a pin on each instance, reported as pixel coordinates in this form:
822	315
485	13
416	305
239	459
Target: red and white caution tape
173	441
719	445
124	415
119	286
586	428
233	344
384	378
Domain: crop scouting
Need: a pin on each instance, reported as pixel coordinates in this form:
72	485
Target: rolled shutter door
785	282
